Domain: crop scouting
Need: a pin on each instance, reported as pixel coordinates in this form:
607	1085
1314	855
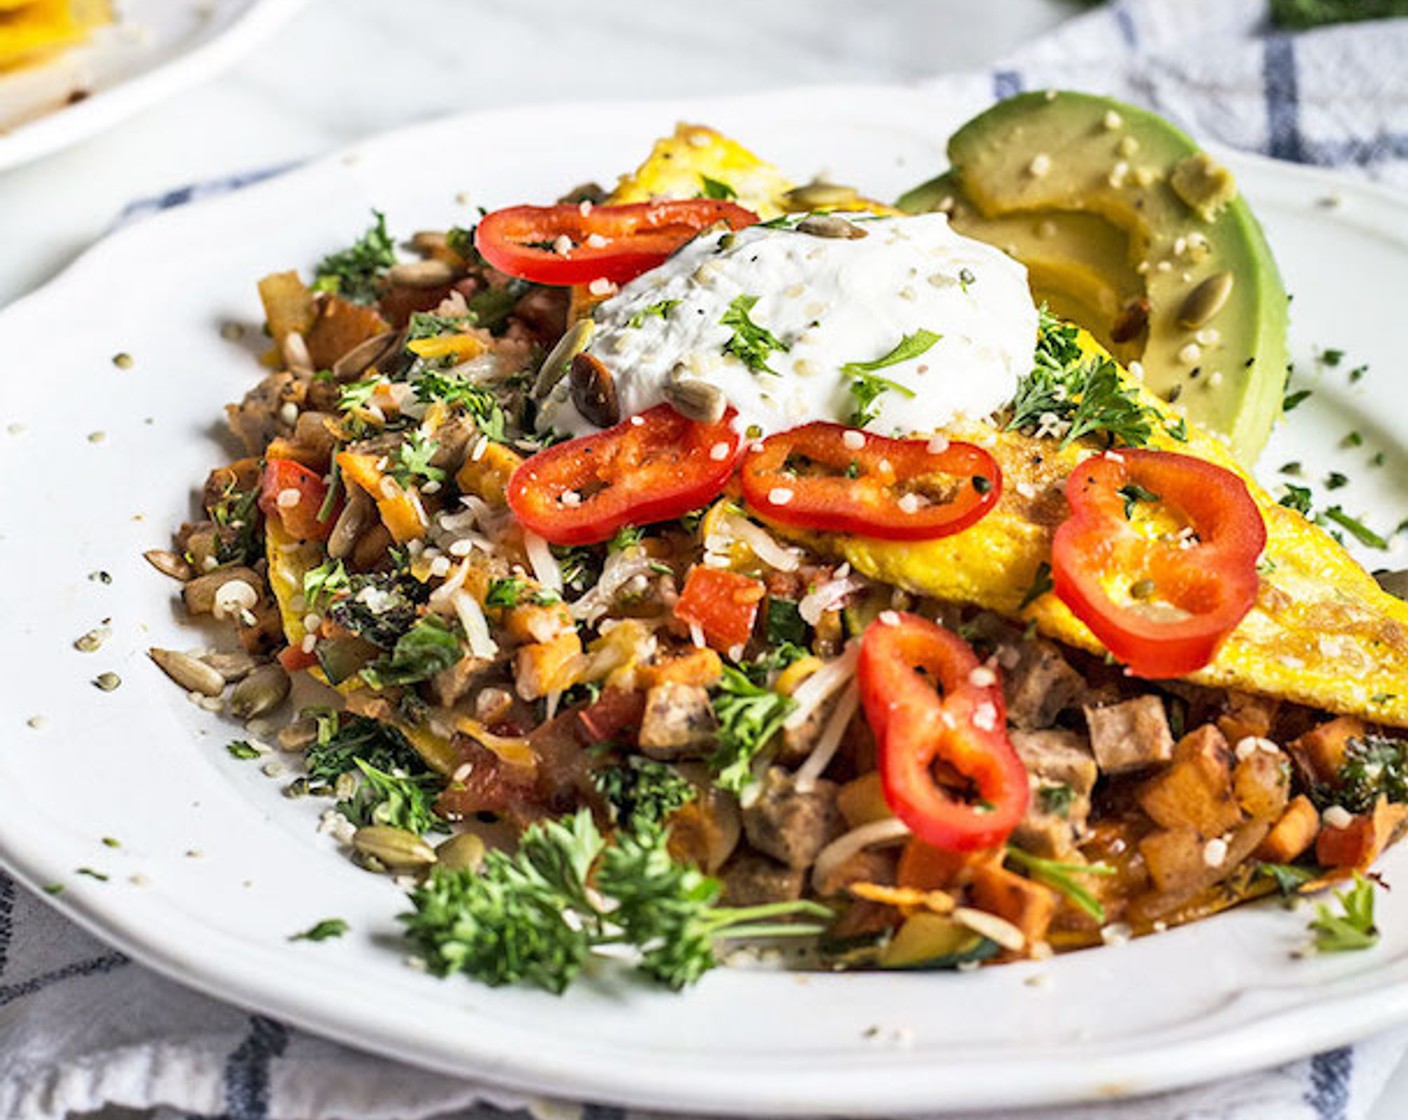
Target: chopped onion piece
827	597
542	561
476	626
814	691
763	544
891	830
829	740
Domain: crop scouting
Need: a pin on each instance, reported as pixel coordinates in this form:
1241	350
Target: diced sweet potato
337	326
288	304
487	476
535	622
545	667
928	868
1027	905
1320	753
1195	789
1359	843
1261	781
1247	716
699	667
1293	833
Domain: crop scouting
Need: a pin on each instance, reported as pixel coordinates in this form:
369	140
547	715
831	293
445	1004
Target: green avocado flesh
1127	228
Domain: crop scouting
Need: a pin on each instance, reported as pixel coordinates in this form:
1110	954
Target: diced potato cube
1262	782
1293	833
1195	789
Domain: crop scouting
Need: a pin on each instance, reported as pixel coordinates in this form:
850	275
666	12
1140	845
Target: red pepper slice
1175	598
723	604
651	467
962	729
829	477
294	494
615	243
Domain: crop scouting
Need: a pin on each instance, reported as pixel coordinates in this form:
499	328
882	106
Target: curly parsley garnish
1086	395
325	930
749	716
1351	929
355	272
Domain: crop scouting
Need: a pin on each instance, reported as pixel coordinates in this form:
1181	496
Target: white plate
155	49
145	766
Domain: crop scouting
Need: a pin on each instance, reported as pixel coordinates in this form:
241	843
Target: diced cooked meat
796	743
452	685
751	879
790	826
1063	773
1039	686
678	721
869	865
259	417
1130	735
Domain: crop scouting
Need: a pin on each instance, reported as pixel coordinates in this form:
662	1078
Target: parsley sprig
1061	877
1352	928
1086	394
355	273
539	914
866	385
750	344
749	715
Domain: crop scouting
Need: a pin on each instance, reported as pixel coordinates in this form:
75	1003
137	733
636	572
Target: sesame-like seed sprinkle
937	445
852	439
1025	490
601	287
985	716
288	498
596	241
1112	120
982	677
309	643
888	618
1215	852
1336	816
719	452
910	503
1040	165
780	495
637	421
571	499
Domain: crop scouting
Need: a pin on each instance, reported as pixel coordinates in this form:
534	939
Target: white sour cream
829	301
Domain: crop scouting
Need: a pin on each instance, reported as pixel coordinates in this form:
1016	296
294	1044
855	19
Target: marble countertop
343	69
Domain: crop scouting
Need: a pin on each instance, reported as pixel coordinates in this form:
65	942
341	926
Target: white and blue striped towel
81	1027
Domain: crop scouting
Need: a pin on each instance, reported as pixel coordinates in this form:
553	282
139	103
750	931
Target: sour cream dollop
829	302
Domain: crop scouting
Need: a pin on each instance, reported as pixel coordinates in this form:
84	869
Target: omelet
1322	631
33	30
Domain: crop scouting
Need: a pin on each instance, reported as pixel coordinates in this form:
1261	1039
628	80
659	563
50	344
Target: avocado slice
1129	229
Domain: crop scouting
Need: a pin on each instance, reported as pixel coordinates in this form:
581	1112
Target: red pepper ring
962	728
1196	589
615	243
831	478
652	467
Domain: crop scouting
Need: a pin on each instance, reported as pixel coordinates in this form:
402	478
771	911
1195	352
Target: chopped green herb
111	842
1336	481
479	402
1379	459
750	344
1178	430
1293	468
643	793
1353	439
712	188
659	310
357	393
538	914
427	324
1133	494
1084	393
427	648
355	272
1056	799
1356	528
505	592
1041	584
1374	766
1351	929
1331	358
242	749
1060	877
1297	498
866	385
627	536
88	871
1357	374
784	623
343	738
1288	877
399	800
460	241
323	931
412	459
1292	400
53	888
966	279
325	582
749	715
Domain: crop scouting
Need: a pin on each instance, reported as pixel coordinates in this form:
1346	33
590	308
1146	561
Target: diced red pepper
723	604
294	495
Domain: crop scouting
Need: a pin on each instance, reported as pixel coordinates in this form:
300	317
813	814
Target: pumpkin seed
294	349
594	391
830	225
462	852
696	400
820	196
396	848
1206	300
430	273
168	563
428	241
355	362
298	735
555	365
189	672
93	641
356	515
260	692
199	593
233	665
107	681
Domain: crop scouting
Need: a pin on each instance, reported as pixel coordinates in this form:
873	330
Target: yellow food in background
31	31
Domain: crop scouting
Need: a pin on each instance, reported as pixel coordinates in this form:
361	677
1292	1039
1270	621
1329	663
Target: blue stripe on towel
1006	83
11	992
247	1070
1329	1083
1129	32
7	919
1283	138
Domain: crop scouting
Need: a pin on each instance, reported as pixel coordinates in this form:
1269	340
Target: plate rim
1299	1030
